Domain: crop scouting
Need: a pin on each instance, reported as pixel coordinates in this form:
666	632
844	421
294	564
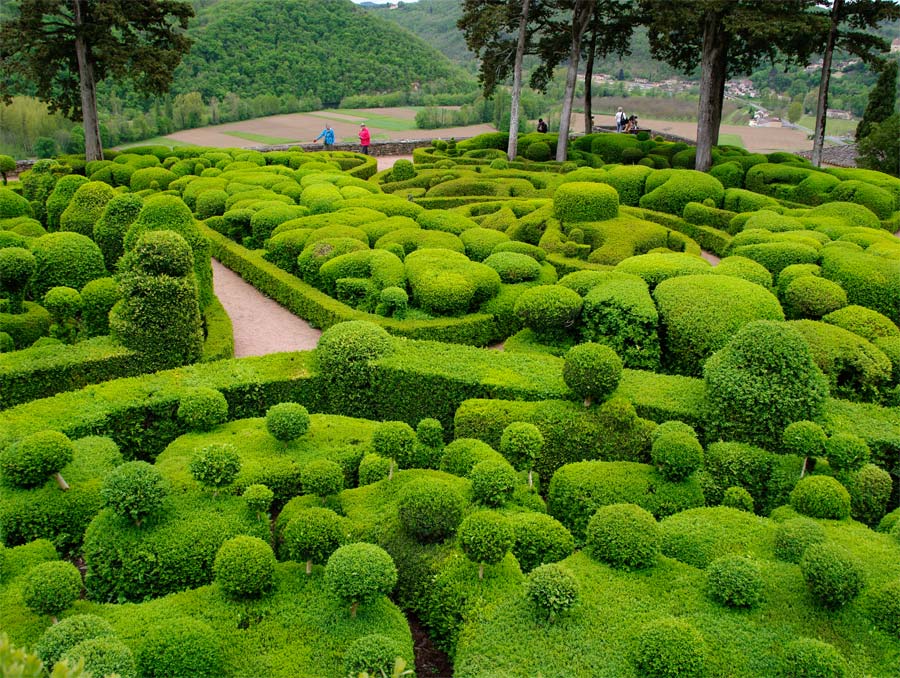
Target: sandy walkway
261	326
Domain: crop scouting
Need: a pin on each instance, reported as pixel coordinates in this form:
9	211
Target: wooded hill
306	47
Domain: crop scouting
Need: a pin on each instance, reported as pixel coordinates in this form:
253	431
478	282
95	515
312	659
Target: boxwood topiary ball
794	536
374	654
805	439
134	490
549	310
373	468
585	201
735	581
287	421
831	574
811	296
670	648
486	537
521	443
677	455
883	606
202	409
180	648
624	536
592	371
322	477
493	482
49	588
62	637
821	497
553	589
846	452
215	465
430	510
344	350
259	498
539	539
104	657
395	440
430	432
313	535
360	572
244	567
813	658
738	498
32	460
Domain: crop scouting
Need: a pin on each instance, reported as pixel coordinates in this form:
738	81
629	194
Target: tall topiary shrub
17	266
134	490
49	588
97	299
552	589
313	535
521	443
485	537
360	572
592	371
36	457
215	466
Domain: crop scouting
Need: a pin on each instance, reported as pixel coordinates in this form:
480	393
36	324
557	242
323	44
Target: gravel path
261	325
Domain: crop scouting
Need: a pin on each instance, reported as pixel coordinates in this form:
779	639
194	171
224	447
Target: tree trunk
581	15
63	485
714	68
512	148
93	148
822	103
530	478
308	567
481	570
588	78
353	608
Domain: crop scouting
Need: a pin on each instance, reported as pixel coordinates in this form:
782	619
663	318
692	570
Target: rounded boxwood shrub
6	343
804	439
430	510
97	299
763	380
513	267
244	567
811	296
552	589
520	444
345	350
312	535
202	409
539	151
64	304
794	536
669	648
480	242
393	302
134	490
549	310
360	572
870	490
259	499
51	587
373	468
485	537
402	170
624	536
287	421
461	455
374	654
69	632
738	498
430	433
832	575
539	539
821	497
846	452
104	657
181	648
215	466
64	260
677	455
883	607
812	658
493	482
734	581
86	207
33	459
17	265
585	201
322	477
395	440
592	371
672	426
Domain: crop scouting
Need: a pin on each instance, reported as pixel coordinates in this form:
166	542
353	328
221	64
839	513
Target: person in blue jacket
327	137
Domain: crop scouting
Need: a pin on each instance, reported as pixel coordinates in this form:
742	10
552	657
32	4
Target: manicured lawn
261	138
156	141
386	122
731	140
833	126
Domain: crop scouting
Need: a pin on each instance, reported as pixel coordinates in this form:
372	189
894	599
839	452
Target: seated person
631	125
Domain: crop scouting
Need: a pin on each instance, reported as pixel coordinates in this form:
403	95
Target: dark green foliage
34	458
738	498
585	201
521	443
877	150
677	455
763	380
832	574
63	304
109	231
393	302
846	452
592	371
374	654
870	491
549	310
159	314
734	581
805	439
215	466
624	536
430	510
810	296
202	409
552	589
821	497
794	536
485	537
493	482
104	657
97	299
287	421
402	170
670	648
430	433
181	648
882	99
359	572
322	477
313	534
395	440
259	499
57	640
51	587
344	354
539	539
134	490
883	607
64	259
17	265
813	658
245	567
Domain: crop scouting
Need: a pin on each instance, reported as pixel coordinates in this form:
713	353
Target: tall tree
847	24
730	37
611	28
882	100
65	47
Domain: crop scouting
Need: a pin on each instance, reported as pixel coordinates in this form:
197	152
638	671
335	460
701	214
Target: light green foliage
677	455
372	655
539	539
373	468
804	438
60	638
64	305
322	477
813	658
245	567
202	409
430	510
846	452
395	440
103	657
585	201
17	663
51	587
215	466
521	443
671	190
670	648
493	482
181	648
17	265
97	299
552	589
734	581
357	573
34	458
592	371
813	297
313	534
738	498
794	536
485	537
549	310
832	574
884	607
821	497
870	491
624	536
259	498
65	260
110	229
86	207
134	490
287	421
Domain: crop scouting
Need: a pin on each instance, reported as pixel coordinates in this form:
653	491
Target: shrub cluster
623	535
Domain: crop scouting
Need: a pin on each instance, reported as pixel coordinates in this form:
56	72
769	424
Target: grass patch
261	138
731	140
155	141
833	126
385	122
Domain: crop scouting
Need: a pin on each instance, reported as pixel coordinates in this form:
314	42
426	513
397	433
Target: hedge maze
672	468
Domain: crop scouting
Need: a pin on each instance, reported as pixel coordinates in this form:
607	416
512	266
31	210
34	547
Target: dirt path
261	325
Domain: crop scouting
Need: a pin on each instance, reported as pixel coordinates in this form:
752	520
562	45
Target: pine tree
882	100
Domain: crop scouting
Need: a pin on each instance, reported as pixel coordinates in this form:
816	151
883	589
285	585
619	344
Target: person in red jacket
364	138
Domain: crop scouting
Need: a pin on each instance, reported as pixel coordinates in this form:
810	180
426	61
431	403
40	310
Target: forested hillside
435	22
305	47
